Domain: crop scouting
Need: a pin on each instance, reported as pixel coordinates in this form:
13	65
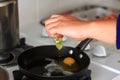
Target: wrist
91	30
101	29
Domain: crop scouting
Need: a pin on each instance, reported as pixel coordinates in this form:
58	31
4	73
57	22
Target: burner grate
15	53
19	76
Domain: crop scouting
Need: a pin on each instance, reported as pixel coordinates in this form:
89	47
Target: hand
66	25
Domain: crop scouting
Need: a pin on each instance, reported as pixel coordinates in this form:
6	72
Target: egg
69	61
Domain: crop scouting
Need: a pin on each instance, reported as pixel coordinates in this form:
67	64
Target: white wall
32	11
108	3
27	11
46	8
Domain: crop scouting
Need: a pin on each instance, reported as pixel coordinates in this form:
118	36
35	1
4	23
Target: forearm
104	30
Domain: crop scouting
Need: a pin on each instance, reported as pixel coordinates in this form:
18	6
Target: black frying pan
33	61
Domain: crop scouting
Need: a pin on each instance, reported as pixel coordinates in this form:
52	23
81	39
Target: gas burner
19	76
11	60
4	58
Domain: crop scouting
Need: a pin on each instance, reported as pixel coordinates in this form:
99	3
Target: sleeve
118	33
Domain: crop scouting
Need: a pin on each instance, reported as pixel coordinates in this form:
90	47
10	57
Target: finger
53	32
59	36
56	36
55	15
51	20
52	24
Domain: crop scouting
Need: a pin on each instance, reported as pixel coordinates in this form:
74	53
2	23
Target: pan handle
82	45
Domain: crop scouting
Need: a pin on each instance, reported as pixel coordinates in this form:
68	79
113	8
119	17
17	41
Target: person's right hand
66	25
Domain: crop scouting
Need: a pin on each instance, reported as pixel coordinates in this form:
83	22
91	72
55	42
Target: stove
96	70
19	76
13	54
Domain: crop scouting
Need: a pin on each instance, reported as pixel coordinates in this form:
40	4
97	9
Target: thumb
55	33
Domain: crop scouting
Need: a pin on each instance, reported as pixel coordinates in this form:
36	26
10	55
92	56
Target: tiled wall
32	11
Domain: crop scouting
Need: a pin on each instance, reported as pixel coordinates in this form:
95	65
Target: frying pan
32	61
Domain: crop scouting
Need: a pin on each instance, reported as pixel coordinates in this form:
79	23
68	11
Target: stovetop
97	65
13	54
19	76
98	71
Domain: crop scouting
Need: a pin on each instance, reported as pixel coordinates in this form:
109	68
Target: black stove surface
19	76
12	60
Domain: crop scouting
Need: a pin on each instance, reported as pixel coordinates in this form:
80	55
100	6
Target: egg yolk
69	61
